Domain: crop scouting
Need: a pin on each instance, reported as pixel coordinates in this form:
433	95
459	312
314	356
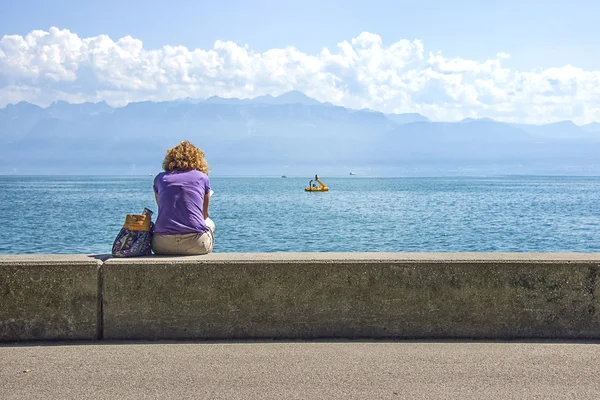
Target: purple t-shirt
180	202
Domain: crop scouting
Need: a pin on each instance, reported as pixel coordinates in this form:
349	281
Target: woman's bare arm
205	205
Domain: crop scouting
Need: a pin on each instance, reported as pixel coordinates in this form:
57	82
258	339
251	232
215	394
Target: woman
182	193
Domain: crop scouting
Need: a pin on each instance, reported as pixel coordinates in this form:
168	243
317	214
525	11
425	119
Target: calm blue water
83	214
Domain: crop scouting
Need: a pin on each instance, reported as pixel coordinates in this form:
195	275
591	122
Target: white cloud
42	67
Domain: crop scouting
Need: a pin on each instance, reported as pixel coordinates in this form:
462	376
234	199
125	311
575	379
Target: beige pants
185	245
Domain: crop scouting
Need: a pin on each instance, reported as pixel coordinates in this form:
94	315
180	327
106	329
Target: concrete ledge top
53	259
288	257
358	257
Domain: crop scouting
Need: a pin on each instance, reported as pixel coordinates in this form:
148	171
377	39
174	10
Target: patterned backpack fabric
135	237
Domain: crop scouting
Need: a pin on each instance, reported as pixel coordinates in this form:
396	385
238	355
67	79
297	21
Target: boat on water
283	176
352	173
312	187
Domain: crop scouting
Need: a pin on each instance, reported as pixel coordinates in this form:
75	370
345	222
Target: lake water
82	214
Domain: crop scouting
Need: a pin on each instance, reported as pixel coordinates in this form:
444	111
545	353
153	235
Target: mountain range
290	134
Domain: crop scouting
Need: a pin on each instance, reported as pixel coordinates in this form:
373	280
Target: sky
518	61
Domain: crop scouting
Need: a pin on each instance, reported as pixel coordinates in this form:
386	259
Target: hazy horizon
272	99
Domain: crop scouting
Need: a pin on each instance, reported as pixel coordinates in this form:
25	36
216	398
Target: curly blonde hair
184	157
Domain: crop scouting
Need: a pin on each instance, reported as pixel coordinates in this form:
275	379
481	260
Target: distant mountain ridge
267	133
293	97
593	127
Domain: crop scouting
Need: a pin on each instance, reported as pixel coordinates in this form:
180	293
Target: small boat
312	187
352	173
283	176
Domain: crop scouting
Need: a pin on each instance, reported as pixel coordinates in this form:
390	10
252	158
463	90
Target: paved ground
321	370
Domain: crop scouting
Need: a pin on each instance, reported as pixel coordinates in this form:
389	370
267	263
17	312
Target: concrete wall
49	297
318	295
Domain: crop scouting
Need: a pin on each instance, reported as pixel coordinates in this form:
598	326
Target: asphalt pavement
300	370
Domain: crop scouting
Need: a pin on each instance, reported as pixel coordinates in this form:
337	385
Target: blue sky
538	35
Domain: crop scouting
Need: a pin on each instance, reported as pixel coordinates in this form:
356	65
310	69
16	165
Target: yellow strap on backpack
137	222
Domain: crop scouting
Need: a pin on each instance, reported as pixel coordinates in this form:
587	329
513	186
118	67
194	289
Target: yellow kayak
317	189
314	188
